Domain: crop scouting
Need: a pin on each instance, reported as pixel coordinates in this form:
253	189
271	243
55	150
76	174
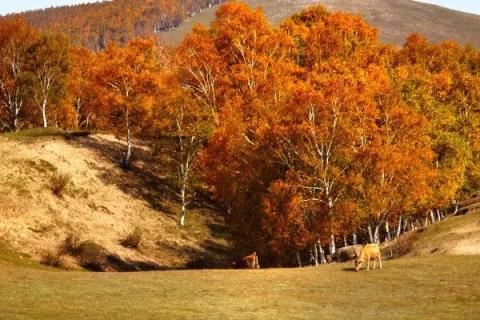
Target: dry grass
435	287
58	184
100	202
53	259
133	239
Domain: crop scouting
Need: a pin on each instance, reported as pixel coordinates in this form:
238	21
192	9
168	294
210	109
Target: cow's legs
380	260
375	263
368	263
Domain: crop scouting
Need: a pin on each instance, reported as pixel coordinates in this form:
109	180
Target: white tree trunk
322	253
299	260
345	242
432	216
426	221
332	245
439	217
184	206
387	231
44	113
370	235
399	226
354	238
315	253
376	234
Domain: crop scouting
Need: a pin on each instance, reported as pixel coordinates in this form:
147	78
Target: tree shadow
147	178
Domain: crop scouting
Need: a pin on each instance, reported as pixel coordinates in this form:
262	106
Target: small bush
91	256
53	259
58	184
402	245
133	239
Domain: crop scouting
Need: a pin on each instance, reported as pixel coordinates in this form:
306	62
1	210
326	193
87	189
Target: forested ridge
305	134
94	25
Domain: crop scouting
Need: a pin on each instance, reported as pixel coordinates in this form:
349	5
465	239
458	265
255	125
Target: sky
10	6
472	6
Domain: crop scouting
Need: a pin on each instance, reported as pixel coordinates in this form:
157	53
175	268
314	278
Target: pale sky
472	6
10	6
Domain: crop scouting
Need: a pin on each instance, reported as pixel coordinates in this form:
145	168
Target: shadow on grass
349	269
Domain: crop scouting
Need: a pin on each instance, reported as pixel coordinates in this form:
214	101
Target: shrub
401	246
70	244
133	239
91	256
58	184
53	259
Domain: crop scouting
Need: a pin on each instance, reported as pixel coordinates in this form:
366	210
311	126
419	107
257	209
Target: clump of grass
53	259
58	184
133	239
35	133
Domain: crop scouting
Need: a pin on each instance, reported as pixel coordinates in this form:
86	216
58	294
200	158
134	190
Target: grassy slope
435	287
454	235
101	203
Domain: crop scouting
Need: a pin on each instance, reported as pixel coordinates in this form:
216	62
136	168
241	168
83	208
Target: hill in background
94	25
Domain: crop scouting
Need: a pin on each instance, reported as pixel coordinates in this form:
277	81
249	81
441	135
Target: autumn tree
15	39
128	81
47	70
81	86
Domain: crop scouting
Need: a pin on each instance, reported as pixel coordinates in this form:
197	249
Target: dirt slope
395	19
102	203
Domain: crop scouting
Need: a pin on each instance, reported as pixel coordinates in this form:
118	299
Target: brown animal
368	252
247	262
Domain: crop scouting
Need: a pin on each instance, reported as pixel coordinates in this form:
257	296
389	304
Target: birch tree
15	39
48	66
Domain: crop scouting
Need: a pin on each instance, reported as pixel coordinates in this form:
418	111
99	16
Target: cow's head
357	262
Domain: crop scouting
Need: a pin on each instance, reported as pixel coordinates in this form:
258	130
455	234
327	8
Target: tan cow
247	262
368	252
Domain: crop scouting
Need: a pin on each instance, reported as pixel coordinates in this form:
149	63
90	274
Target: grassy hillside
455	235
434	287
396	20
100	202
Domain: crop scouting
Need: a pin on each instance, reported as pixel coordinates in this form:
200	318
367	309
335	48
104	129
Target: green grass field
436	287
